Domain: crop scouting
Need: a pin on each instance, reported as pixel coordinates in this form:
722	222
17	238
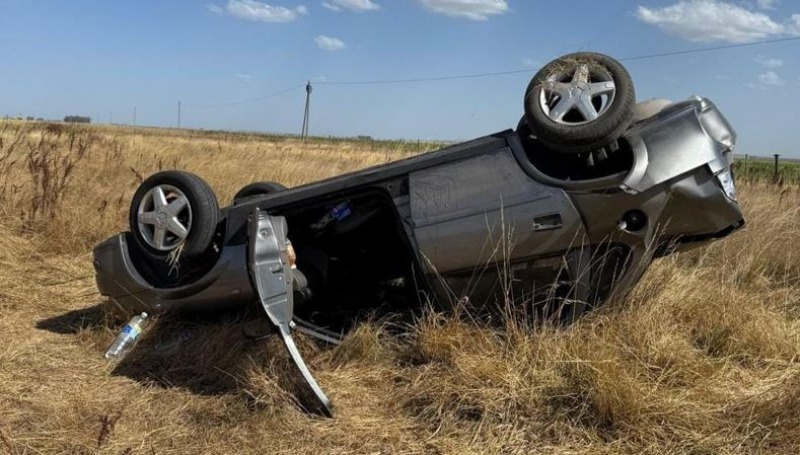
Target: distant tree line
77	119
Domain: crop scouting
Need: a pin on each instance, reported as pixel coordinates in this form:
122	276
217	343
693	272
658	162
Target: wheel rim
578	94
164	217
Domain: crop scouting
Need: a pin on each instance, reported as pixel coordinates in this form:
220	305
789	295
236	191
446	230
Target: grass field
761	169
702	358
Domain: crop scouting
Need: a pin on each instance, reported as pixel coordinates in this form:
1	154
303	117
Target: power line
253	100
528	70
170	108
709	49
462	76
426	79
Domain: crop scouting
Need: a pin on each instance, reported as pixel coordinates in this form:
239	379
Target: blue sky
94	58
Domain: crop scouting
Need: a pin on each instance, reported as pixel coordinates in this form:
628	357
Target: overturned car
574	204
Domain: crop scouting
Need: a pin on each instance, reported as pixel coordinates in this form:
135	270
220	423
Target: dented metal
683	137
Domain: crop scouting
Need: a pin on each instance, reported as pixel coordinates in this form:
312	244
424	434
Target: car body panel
226	284
685	136
477	201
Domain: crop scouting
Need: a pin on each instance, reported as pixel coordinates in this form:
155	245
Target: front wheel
173	209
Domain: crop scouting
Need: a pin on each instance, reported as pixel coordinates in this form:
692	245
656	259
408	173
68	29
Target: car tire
257	189
524	131
580	102
189	218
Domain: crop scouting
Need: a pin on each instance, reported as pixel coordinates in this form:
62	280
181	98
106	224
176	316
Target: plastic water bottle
127	337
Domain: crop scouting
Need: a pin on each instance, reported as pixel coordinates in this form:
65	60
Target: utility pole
134	115
179	115
306	116
111	117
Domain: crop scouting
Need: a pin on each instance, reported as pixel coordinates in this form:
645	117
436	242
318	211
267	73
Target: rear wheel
580	102
171	210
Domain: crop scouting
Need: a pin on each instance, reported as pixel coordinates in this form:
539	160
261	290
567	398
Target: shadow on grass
232	353
72	322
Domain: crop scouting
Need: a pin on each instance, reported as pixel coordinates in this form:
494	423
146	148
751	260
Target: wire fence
775	170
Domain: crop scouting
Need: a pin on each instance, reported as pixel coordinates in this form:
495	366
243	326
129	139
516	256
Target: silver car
568	211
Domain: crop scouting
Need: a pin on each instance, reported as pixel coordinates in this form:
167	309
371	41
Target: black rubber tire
205	212
592	135
523	130
257	189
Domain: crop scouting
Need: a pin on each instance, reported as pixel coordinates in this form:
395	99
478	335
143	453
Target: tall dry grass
701	358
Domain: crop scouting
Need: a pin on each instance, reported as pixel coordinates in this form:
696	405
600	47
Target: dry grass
702	358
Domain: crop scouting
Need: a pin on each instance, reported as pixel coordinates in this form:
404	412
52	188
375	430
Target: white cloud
767	4
328	43
476	10
215	9
715	20
769	62
352	5
770	78
530	63
252	10
244	77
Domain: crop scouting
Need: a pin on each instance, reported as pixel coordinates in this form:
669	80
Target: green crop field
763	170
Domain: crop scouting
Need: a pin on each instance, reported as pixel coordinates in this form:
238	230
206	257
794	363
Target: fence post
775	175
744	171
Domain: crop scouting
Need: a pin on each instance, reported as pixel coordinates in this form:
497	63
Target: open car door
273	279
